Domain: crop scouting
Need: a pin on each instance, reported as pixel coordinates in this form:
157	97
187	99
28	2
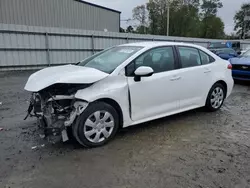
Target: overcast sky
126	6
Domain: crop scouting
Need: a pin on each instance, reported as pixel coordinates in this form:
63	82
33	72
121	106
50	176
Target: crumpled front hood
70	74
240	61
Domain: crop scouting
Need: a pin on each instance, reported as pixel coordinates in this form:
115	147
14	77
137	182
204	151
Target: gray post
168	9
93	44
47	48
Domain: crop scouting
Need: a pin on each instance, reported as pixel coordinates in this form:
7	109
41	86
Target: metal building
76	14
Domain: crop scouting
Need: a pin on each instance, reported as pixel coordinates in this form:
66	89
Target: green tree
140	15
130	29
122	30
184	17
242	26
142	29
156	10
188	18
211	25
210	7
184	20
232	36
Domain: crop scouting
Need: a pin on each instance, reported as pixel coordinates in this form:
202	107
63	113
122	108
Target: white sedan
126	85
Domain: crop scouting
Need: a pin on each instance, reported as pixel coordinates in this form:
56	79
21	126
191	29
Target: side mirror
143	71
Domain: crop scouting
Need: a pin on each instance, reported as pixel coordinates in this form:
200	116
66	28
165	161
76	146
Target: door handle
207	71
175	78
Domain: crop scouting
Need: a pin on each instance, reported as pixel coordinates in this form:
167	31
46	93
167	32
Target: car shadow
165	121
242	82
155	125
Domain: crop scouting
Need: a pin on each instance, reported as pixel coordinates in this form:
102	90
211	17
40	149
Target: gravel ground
192	149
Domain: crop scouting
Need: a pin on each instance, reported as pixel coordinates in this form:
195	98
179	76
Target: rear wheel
216	97
97	125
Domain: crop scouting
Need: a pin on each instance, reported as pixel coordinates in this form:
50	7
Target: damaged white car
126	85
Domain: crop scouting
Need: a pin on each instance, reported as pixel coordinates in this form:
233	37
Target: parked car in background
245	50
241	66
225	53
126	85
227	44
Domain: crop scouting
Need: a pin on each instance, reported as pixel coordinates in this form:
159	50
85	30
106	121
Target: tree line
187	18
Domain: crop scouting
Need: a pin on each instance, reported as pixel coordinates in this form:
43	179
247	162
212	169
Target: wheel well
117	107
224	84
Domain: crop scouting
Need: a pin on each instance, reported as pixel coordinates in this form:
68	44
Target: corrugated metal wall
58	13
26	47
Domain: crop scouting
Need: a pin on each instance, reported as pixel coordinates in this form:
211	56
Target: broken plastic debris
1	103
34	147
37	147
65	136
42	136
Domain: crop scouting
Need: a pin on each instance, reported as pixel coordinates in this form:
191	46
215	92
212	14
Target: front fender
113	87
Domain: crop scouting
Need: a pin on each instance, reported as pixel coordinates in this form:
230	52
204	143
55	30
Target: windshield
246	54
226	51
108	60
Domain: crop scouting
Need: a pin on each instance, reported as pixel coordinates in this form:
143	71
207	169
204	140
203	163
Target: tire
216	97
89	127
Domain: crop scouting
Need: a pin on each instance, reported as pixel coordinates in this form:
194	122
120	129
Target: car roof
221	49
155	44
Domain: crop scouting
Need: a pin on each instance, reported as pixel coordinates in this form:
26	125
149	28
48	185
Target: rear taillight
230	66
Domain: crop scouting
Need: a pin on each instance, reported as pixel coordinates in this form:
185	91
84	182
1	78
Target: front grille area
241	67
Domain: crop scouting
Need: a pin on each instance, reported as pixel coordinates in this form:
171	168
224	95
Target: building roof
99	6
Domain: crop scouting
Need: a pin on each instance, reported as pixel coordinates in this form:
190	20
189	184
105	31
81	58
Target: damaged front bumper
55	114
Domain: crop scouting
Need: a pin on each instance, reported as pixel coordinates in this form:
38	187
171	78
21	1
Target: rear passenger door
196	76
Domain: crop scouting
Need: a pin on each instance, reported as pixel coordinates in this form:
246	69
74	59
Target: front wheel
216	97
97	125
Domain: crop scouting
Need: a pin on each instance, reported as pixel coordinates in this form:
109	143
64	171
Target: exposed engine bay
56	109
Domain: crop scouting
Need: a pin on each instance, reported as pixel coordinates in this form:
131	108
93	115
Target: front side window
159	59
190	57
107	61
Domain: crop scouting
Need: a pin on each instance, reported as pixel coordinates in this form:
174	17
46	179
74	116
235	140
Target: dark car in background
227	44
225	53
241	66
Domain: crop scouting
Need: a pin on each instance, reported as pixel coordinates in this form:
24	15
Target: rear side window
190	57
205	59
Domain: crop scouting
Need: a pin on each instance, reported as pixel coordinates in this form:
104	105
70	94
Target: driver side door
157	95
